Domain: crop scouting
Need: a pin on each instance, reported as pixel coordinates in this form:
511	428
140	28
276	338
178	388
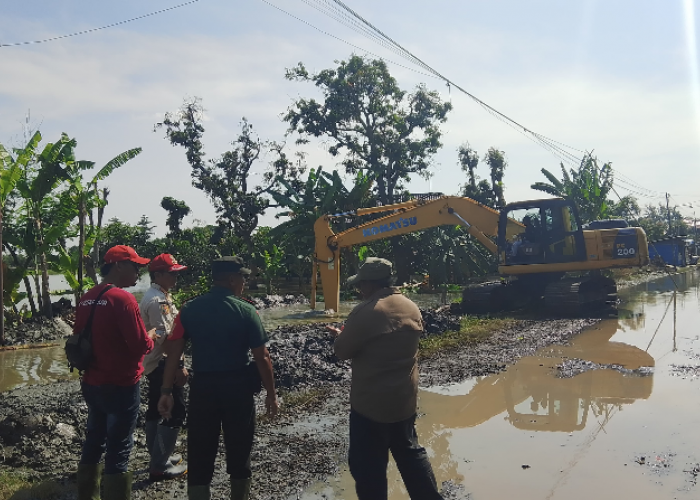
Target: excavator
539	245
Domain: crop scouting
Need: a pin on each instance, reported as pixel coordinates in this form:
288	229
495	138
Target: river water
604	434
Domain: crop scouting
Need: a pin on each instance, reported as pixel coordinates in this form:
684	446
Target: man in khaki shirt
381	337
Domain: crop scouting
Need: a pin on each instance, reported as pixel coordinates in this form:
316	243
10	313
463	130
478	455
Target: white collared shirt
159	312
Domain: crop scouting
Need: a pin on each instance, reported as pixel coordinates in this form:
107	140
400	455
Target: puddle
530	433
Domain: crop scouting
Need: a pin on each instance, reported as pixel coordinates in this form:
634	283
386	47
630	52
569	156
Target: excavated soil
42	427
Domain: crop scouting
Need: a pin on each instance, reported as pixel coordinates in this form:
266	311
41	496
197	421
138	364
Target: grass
472	330
18	486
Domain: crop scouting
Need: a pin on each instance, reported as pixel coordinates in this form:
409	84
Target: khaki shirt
381	338
159	312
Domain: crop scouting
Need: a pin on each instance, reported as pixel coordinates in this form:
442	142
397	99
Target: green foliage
588	187
322	193
225	180
497	163
177	210
384	132
655	222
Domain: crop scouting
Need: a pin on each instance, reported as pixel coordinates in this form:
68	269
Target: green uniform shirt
222	328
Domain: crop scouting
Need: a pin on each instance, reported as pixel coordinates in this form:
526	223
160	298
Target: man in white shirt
159	312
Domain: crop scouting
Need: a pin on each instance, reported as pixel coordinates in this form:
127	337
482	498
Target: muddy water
605	433
32	366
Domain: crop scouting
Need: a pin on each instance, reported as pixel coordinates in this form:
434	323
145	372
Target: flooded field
614	414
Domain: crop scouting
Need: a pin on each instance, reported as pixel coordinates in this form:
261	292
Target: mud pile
303	357
269	301
36	331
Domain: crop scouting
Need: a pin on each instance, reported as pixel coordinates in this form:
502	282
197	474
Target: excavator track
578	296
485	297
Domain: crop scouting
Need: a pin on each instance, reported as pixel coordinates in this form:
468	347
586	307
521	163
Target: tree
83	198
587	187
482	192
383	131
177	210
655	222
238	204
496	161
11	169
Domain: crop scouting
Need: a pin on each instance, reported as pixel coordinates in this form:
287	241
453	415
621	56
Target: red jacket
119	338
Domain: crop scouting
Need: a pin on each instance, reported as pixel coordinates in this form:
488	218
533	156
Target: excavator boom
479	220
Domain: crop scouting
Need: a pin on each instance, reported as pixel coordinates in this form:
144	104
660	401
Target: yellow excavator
537	243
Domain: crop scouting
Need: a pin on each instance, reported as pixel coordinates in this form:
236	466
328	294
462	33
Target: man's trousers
219	401
370	443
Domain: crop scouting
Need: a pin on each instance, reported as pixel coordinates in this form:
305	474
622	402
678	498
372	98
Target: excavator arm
479	221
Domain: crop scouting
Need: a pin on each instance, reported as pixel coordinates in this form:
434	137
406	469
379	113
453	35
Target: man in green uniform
222	327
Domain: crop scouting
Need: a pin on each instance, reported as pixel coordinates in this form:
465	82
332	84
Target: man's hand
152	334
271	404
165	406
334	330
181	377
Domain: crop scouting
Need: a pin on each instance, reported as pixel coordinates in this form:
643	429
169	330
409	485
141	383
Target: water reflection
31	366
534	398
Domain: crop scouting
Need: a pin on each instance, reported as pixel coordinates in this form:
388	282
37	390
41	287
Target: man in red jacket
110	385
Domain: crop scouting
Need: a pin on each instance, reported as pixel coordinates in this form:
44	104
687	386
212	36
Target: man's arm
173	349
352	337
133	331
264	363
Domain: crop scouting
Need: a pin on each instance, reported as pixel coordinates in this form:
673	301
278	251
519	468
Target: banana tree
11	169
587	187
87	197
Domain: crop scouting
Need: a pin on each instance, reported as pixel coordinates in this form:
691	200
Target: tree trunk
2	289
25	279
81	246
44	267
45	286
37	288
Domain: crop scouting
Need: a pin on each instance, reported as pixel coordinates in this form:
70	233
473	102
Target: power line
85	32
341	40
346	16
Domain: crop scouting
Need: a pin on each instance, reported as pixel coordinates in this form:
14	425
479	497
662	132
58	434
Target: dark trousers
179	412
370	443
112	413
220	400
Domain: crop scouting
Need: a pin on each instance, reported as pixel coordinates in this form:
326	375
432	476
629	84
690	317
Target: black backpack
79	345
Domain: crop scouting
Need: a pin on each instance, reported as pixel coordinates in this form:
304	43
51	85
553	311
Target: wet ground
613	414
535	412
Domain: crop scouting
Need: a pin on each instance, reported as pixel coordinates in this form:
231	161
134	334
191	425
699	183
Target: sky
617	78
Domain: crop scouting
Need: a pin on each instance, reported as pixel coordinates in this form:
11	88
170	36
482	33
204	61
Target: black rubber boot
89	478
240	489
202	492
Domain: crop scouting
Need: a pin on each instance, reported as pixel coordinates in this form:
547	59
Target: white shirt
159	312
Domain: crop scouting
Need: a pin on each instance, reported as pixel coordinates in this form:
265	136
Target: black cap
229	264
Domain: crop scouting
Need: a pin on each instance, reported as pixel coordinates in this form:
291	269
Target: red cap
121	253
165	263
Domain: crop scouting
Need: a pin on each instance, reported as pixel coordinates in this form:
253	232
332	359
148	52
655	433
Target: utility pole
668	214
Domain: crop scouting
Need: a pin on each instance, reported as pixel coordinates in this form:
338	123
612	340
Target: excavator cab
550	233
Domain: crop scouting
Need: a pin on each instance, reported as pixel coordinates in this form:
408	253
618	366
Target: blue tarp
673	251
